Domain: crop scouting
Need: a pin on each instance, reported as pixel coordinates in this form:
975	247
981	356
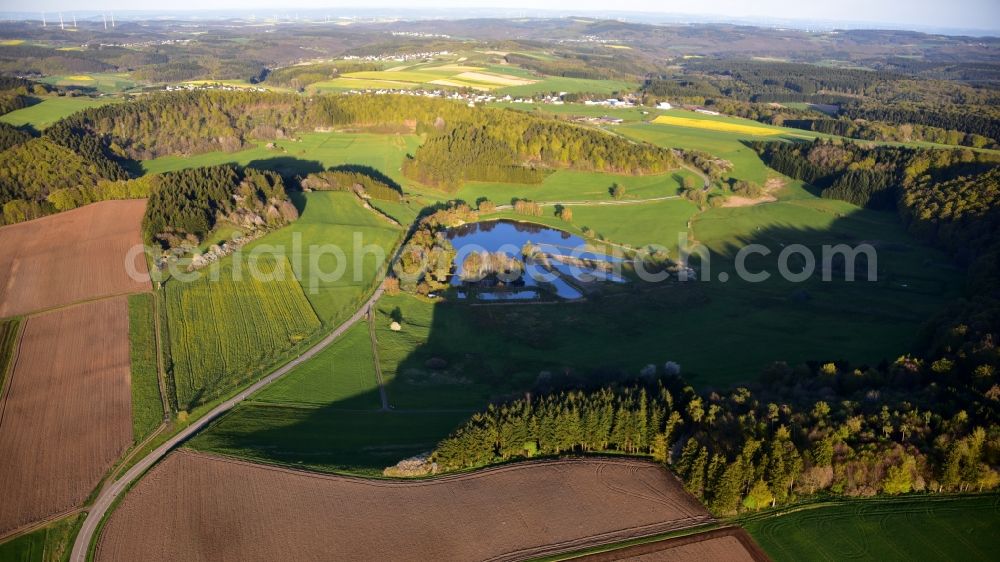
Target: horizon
636	12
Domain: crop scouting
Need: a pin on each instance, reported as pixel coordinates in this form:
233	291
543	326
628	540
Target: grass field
312	152
728	126
326	438
571	185
550	84
147	407
343	374
224	332
105	83
50	110
929	528
49	544
9	330
636	225
337	219
729	146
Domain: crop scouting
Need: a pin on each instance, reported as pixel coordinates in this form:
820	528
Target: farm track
378	366
161	369
109	494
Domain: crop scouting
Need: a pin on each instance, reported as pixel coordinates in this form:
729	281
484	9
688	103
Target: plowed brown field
199	507
66	415
69	257
730	544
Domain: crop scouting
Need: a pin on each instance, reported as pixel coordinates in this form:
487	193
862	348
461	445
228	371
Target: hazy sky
975	14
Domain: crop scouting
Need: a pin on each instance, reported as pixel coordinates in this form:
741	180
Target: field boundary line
109	495
8	377
161	370
56	308
34	526
608	553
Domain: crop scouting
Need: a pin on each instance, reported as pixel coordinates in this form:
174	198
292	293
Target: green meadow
50	543
105	83
343	374
571	185
326	438
550	84
903	529
50	110
309	152
332	220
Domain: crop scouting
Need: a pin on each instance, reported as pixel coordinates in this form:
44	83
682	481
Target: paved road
110	493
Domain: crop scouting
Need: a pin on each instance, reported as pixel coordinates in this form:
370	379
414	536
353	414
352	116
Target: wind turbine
62	25
43	20
105	18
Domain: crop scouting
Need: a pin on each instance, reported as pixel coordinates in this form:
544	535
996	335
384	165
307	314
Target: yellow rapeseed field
714	125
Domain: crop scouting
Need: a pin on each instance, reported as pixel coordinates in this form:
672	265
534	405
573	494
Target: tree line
803	431
365	182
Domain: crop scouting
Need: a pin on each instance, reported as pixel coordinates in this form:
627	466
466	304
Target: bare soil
194	506
772	185
67	412
731	544
69	257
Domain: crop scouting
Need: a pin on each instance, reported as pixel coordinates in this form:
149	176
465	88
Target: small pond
560	258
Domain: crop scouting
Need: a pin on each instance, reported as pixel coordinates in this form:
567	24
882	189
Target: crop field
50	110
9	330
105	83
333	219
731	544
929	528
425	75
312	152
66	415
572	185
343	374
223	332
51	543
71	256
728	126
147	407
513	512
550	84
729	146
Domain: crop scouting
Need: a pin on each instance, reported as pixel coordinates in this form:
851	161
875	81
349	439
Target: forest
869	104
184	205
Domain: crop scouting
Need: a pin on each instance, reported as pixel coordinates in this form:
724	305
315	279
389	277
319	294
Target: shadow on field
287	166
450	358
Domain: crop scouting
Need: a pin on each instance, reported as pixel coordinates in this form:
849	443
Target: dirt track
70	257
67	412
199	507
